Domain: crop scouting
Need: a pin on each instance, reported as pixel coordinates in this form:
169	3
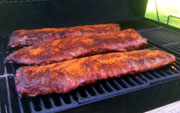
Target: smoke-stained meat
66	49
20	38
66	76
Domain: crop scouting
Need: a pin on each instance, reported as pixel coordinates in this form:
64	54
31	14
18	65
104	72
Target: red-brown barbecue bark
66	76
61	50
21	38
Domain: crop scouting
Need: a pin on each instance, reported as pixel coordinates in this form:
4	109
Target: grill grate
136	23
1	64
175	48
10	101
162	36
4	96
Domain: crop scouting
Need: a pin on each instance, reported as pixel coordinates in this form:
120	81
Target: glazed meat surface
66	76
61	50
20	38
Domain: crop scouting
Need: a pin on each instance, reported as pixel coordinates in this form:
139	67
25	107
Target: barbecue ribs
66	76
21	38
65	49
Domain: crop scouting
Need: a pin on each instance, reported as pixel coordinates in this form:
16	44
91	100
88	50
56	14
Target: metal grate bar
1	64
161	36
139	79
13	95
174	48
4	96
137	24
117	84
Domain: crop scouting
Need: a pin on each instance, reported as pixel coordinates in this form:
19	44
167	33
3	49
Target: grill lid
10	101
64	13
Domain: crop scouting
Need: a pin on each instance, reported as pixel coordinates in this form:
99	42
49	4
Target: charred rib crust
66	49
20	38
66	76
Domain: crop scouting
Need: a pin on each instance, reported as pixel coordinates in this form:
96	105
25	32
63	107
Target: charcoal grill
131	93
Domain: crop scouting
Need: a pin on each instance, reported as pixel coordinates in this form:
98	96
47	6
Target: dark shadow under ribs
66	76
66	49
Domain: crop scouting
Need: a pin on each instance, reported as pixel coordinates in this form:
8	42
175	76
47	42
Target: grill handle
171	16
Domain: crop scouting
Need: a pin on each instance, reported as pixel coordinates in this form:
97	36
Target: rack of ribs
20	38
66	76
69	48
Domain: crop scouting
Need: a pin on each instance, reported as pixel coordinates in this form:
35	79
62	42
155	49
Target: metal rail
157	14
171	17
157	11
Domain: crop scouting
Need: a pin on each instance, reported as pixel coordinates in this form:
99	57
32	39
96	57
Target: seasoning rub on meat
66	49
20	38
66	76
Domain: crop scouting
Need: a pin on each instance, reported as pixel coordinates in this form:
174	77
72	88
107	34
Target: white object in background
170	108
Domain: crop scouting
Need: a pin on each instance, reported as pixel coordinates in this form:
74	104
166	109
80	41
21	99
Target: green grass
164	11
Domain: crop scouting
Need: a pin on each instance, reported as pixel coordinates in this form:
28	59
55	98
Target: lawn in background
165	8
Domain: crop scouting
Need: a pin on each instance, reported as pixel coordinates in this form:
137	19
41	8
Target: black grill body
131	93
